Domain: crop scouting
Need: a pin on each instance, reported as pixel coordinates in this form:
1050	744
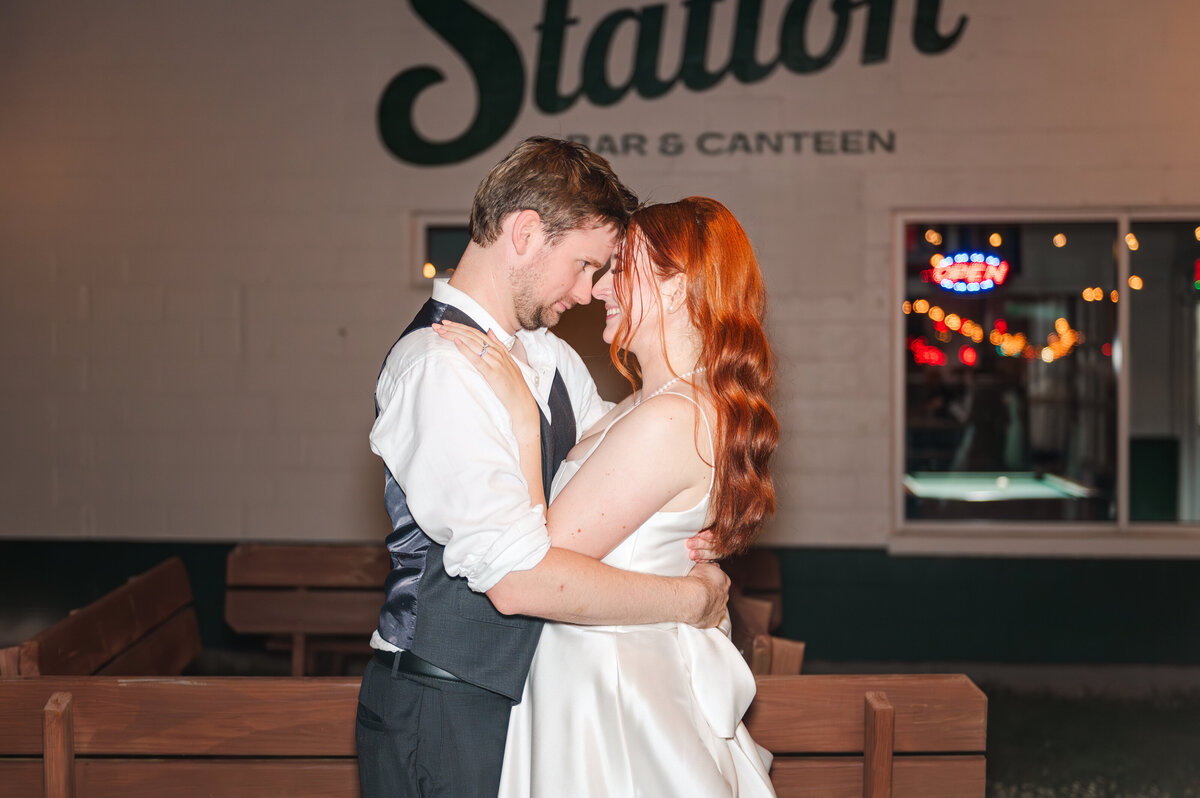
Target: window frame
1119	538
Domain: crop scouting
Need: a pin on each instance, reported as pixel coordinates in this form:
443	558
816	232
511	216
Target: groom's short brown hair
568	185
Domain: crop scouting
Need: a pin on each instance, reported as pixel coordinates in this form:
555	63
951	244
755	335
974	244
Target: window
1051	373
439	242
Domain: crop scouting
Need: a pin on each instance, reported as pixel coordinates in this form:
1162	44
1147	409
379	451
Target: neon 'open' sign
969	272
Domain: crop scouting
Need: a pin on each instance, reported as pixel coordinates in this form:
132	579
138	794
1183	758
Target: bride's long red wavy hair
699	238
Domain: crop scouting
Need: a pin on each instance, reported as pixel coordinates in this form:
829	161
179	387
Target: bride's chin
610	330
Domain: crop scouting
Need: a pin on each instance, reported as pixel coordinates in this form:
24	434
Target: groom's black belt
408	662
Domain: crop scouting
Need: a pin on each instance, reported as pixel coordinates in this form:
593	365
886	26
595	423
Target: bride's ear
674	291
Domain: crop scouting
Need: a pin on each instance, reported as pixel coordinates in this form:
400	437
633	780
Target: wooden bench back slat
22	778
165	650
749	614
757	573
243	716
912	777
10	661
750	619
263	565
932	712
939	776
194	778
90	637
312	778
776	656
836	777
324	612
256	716
757	570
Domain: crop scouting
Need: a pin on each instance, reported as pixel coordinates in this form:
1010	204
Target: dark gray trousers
420	737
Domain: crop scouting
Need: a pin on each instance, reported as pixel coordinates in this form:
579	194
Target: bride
652	710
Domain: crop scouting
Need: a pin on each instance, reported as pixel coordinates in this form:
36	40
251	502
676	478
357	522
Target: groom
472	566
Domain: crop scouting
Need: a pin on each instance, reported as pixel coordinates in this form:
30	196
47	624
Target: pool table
1001	495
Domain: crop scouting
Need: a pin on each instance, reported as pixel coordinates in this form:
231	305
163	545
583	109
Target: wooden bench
874	736
776	656
318	597
327	598
145	627
756	574
94	737
224	736
756	610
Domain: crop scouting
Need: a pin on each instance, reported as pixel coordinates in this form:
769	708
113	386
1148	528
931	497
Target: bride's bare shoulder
606	420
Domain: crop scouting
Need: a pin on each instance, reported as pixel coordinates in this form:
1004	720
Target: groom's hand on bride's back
702	547
714	594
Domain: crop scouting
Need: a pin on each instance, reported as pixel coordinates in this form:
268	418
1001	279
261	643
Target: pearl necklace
668	384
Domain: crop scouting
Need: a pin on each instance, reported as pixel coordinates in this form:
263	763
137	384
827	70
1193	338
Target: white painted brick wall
205	249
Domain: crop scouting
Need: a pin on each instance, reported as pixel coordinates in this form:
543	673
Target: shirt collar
444	292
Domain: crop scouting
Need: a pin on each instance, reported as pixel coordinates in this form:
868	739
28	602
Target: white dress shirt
448	441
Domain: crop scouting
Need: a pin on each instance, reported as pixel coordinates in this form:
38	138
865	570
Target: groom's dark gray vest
436	616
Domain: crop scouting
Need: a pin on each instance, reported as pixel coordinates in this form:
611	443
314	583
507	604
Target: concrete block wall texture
206	250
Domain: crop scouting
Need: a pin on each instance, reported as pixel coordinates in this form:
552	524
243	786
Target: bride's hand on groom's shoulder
489	356
715	591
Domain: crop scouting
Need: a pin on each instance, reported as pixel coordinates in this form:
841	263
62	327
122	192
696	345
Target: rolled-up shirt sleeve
448	442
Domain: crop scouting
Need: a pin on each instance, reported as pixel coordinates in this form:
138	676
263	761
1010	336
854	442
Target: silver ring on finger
483	351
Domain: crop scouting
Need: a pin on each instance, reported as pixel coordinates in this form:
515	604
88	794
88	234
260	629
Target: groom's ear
526	231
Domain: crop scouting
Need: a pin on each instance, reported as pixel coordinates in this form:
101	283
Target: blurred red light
1106	350
925	354
968	356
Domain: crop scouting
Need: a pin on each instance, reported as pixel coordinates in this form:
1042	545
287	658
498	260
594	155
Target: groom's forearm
573	588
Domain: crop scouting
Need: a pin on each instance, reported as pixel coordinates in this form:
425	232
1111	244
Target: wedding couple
483	415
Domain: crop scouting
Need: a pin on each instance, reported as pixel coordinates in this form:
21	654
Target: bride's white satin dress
624	711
